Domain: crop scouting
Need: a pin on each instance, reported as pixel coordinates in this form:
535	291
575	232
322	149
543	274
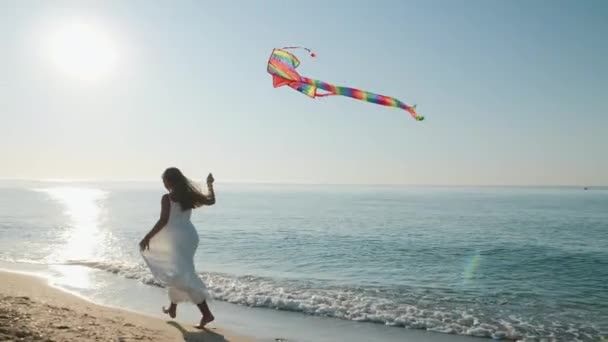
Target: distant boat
586	188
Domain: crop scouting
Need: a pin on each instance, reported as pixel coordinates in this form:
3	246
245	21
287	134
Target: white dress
171	257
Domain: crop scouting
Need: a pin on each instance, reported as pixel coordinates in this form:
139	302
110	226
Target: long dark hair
183	190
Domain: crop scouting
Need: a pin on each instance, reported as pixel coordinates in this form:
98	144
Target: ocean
512	263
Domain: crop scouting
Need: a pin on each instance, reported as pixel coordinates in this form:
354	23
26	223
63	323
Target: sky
513	92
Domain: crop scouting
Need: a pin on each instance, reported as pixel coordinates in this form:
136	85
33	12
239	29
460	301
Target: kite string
312	54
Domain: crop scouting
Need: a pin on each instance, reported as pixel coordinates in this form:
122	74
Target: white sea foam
359	304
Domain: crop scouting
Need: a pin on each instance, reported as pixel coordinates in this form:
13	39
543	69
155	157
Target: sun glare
82	233
82	50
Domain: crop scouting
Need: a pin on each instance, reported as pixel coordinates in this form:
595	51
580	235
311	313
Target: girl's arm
211	197
160	224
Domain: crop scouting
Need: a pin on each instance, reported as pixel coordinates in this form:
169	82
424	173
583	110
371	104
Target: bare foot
171	311
204	321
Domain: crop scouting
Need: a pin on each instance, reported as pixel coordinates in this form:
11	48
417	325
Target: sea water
517	263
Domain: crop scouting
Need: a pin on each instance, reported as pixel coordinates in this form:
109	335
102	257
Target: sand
31	310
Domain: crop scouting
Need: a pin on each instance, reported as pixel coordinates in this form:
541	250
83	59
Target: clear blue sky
514	92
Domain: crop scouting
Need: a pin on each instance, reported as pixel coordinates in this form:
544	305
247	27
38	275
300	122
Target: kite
282	66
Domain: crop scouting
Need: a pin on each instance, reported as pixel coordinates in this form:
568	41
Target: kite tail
360	95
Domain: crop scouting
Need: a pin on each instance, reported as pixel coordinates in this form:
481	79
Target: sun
82	50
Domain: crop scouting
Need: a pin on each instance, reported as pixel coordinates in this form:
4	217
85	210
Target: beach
31	310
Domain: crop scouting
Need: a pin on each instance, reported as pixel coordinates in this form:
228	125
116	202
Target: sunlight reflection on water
82	237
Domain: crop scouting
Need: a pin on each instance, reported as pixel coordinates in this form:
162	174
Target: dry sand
31	310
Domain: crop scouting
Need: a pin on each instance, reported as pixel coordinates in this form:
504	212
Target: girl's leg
172	311
173	298
207	315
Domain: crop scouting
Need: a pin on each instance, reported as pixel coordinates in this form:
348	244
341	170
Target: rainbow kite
282	66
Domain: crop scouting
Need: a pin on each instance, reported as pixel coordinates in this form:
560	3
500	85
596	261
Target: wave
400	308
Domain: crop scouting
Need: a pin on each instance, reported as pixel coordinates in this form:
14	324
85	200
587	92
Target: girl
168	249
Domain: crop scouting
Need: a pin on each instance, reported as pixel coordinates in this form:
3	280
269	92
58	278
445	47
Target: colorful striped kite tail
412	111
359	95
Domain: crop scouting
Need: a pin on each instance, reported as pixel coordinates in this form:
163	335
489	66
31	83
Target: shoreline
33	310
127	310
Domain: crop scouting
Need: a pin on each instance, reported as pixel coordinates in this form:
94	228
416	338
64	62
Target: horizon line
293	182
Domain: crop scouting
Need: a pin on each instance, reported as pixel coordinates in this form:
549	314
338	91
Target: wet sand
31	310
